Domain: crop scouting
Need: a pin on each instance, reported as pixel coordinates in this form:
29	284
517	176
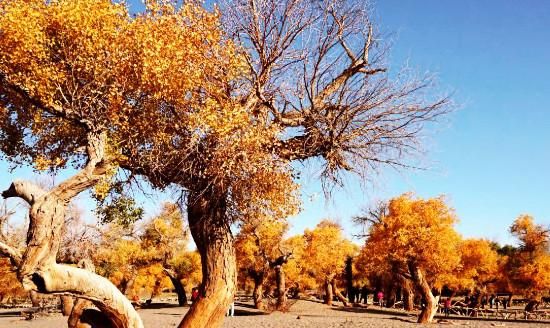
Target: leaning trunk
339	295
328	292
428	312
281	287
178	286
38	270
211	231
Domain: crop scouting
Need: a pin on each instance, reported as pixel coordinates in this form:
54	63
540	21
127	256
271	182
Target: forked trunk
212	234
178	286
328	292
281	287
38	270
258	293
428	312
338	294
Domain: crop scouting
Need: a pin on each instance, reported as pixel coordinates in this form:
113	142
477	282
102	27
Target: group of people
361	295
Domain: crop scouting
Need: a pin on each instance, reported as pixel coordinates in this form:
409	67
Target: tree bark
428	312
408	297
67	304
328	292
211	232
339	295
178	286
281	287
35	299
258	293
38	270
349	280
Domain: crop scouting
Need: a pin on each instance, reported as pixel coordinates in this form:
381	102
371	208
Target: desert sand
302	314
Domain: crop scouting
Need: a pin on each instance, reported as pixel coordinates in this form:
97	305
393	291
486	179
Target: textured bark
38	270
35	298
328	292
212	234
67	304
258	293
281	287
338	294
178	286
408	297
428	312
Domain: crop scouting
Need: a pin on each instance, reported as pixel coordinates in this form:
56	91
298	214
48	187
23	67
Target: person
194	295
380	296
231	310
491	301
447	306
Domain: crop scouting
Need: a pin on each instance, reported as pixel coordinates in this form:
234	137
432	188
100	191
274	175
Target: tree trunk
212	234
428	312
38	270
281	287
35	298
178	286
349	280
408	297
258	293
339	295
67	303
328	292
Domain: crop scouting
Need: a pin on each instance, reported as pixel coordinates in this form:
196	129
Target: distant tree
528	266
260	251
416	238
325	253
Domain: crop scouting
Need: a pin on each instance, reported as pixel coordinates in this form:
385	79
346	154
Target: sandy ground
302	314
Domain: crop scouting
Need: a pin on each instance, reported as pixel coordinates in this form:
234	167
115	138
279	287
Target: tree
78	82
325	254
259	248
528	266
416	237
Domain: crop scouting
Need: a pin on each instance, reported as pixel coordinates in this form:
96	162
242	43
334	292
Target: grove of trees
221	107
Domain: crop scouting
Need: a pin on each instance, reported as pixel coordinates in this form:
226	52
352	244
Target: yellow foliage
326	250
414	230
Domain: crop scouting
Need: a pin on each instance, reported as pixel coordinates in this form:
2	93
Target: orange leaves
415	230
326	250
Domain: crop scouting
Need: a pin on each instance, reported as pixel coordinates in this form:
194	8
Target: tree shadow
372	310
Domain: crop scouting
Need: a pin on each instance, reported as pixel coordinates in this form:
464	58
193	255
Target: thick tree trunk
35	298
428	312
67	303
258	293
178	286
211	231
281	287
328	292
339	295
349	280
38	270
408	297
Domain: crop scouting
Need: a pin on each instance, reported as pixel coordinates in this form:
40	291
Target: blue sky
492	157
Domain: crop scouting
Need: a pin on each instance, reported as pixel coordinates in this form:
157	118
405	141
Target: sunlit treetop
418	231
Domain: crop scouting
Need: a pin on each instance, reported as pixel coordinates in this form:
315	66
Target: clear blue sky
492	158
